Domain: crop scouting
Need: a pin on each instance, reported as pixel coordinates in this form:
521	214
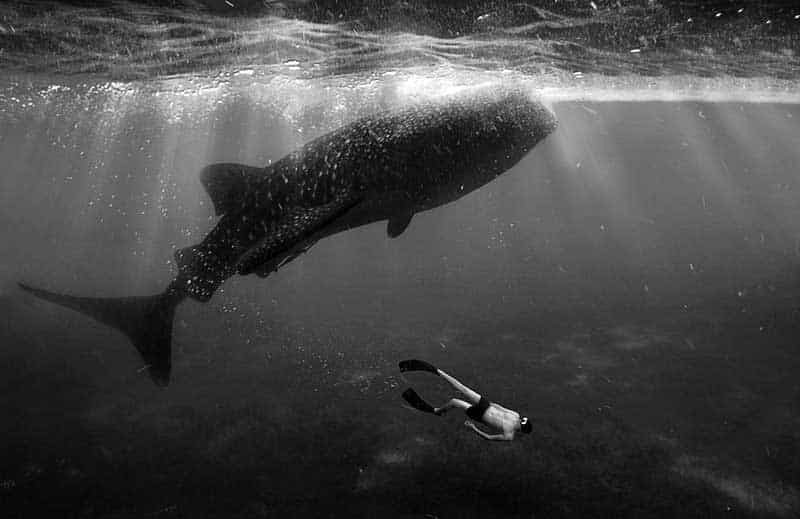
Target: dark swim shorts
477	411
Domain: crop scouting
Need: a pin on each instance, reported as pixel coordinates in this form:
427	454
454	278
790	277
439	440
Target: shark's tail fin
146	320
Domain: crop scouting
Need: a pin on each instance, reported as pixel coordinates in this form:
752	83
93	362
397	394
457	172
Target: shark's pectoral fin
398	223
228	183
292	235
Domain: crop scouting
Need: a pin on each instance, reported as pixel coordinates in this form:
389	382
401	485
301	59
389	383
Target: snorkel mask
525	425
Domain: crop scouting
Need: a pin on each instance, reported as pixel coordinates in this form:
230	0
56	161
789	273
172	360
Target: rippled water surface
125	40
632	284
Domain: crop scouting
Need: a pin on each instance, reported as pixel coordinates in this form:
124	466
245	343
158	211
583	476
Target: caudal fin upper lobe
146	320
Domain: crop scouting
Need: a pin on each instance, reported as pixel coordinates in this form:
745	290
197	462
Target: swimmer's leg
450	404
421	365
471	395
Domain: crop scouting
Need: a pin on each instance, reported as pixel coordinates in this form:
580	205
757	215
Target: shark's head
511	122
485	134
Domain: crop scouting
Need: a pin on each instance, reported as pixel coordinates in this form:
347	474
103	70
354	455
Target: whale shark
387	166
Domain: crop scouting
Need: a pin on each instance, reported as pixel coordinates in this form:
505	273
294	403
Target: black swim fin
146	320
417	365
417	402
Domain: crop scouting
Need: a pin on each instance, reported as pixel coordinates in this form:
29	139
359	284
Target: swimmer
506	421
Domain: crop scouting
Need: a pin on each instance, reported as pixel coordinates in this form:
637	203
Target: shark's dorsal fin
227	183
398	223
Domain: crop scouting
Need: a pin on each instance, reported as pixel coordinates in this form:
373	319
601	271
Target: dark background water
632	285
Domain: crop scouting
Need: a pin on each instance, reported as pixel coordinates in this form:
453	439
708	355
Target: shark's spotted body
384	167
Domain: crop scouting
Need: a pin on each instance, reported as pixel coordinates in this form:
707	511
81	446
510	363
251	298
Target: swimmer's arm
494	437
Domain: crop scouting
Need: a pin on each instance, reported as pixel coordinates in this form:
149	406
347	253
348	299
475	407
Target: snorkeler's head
525	425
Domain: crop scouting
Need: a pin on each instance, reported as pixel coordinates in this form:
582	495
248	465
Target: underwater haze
632	284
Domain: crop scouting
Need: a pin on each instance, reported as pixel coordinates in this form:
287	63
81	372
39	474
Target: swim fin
416	401
417	365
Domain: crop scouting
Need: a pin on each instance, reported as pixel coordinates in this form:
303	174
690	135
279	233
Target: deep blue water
632	285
